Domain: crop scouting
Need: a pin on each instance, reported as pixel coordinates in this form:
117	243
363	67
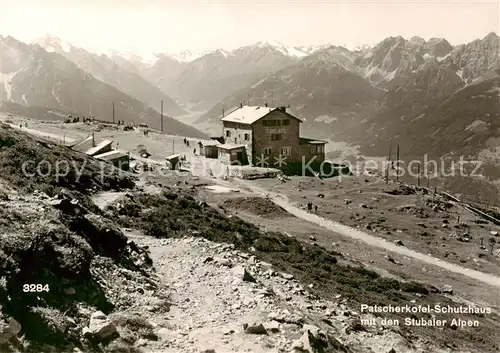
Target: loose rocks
101	327
255	329
243	274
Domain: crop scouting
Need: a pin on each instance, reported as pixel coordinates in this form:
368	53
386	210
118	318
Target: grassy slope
173	215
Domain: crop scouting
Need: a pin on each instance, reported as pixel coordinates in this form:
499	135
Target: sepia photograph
249	176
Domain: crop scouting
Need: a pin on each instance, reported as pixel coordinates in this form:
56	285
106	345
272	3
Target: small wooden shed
209	148
118	158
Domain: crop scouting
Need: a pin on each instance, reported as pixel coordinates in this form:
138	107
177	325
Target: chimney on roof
266	104
241	105
222	112
282	108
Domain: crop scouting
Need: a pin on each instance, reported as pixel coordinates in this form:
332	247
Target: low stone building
230	153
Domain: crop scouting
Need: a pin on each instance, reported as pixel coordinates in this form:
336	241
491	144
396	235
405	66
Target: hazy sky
171	26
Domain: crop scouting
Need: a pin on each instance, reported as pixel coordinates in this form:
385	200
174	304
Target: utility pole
397	161
222	125
389	163
418	175
272	98
113	112
161	116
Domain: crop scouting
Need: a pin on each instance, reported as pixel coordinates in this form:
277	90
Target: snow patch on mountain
53	44
58	113
495	89
185	55
377	75
282	48
390	75
325	119
296	52
475	125
149	59
352	47
6	81
258	83
55	95
310	49
441	58
368	55
130	55
222	52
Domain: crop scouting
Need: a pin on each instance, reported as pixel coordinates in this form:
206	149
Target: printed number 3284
30	288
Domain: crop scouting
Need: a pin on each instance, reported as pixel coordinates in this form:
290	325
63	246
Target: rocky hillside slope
57	250
104	69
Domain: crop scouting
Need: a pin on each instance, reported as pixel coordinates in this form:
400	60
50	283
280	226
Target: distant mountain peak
220	51
417	40
52	43
131	55
437	39
491	38
284	49
269	43
491	35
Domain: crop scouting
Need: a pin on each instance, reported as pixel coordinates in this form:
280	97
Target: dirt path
211	303
62	139
347	231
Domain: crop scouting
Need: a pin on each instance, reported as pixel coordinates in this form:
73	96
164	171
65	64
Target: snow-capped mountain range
335	89
435	98
186	56
411	89
52	43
